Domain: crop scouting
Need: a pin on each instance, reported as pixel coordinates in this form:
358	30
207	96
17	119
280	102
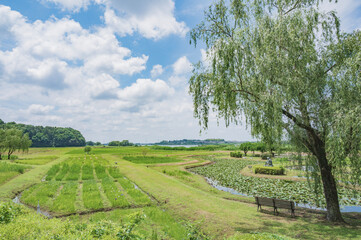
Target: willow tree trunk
328	182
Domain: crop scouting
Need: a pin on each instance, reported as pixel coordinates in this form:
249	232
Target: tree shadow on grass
308	224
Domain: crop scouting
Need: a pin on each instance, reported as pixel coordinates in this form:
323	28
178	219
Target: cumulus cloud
145	91
152	19
157	70
73	77
182	66
39	109
59	53
71	5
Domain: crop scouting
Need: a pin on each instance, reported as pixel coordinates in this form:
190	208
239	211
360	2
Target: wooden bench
276	204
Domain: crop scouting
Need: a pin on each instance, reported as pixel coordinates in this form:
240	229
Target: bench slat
275	203
265	201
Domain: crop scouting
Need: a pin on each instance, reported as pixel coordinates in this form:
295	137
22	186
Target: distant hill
49	136
196	142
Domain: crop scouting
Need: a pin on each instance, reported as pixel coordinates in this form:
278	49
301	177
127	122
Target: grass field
9	171
110	185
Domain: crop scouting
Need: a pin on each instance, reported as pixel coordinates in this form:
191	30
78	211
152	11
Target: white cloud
177	80
157	70
152	19
182	66
59	53
73	77
146	90
72	5
39	109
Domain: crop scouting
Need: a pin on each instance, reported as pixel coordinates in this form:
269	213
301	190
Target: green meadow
156	193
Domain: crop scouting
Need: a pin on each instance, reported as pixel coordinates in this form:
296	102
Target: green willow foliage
290	71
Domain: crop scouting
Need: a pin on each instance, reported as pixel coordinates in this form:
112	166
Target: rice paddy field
84	184
156	193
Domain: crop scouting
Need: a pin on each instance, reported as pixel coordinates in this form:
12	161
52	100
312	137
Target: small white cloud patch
157	70
39	109
182	66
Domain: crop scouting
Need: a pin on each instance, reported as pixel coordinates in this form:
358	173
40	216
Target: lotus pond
227	173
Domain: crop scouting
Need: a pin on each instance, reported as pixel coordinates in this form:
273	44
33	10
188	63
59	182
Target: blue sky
113	69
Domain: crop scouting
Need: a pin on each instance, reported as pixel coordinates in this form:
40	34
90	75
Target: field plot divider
79	204
105	200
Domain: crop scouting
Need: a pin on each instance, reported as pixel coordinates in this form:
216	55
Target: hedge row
269	170
236	154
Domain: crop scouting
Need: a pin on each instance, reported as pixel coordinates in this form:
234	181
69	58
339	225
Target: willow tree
286	67
15	140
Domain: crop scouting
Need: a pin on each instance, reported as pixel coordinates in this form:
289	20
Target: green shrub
265	156
236	154
9	167
14	157
269	170
8	211
87	149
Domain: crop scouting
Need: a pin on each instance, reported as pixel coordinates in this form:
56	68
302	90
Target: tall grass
74	172
37	161
91	196
137	195
4	176
52	172
42	192
64	170
114	172
8	167
66	199
100	171
115	195
87	172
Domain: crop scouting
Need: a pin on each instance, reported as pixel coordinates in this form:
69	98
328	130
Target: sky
112	69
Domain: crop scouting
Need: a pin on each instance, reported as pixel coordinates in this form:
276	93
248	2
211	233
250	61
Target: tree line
123	143
48	136
12	140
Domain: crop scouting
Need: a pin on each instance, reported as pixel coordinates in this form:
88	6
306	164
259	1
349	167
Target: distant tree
15	140
145	151
261	147
48	136
98	143
90	143
87	149
123	143
245	147
3	145
114	143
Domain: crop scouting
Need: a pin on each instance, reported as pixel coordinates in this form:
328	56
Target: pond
216	185
225	175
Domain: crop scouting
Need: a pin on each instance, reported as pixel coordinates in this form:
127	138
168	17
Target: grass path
222	217
23	181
